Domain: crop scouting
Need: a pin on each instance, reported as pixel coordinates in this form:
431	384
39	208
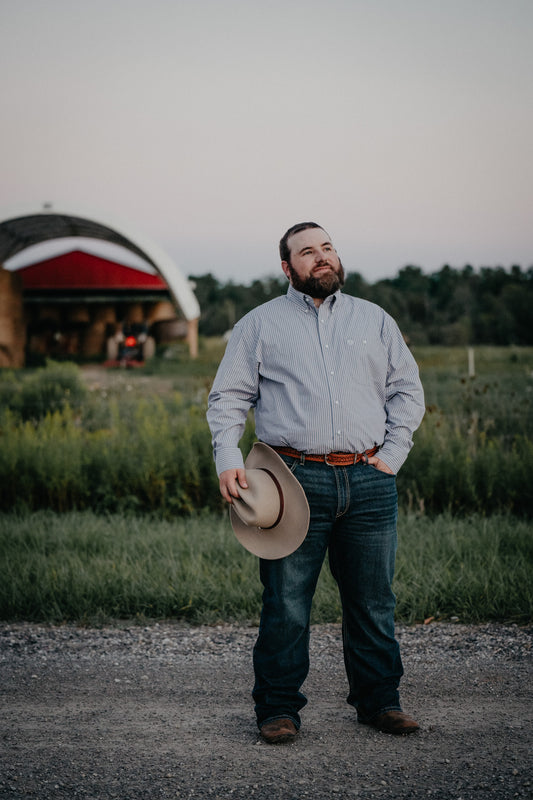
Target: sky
403	127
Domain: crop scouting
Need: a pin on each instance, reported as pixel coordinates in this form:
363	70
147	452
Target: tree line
452	306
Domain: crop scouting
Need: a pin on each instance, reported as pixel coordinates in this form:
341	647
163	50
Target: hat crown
271	517
260	504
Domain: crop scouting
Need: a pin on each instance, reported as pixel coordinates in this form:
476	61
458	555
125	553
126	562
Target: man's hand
229	479
379	464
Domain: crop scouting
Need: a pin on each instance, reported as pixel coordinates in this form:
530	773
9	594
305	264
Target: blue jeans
353	516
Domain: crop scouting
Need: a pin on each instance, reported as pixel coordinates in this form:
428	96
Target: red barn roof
79	270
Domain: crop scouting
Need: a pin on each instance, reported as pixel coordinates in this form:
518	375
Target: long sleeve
404	403
234	392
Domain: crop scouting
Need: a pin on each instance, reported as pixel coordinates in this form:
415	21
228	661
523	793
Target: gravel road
165	712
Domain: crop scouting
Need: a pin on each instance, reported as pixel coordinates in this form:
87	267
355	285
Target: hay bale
106	314
161	311
12	328
94	339
134	313
170	330
49	314
78	314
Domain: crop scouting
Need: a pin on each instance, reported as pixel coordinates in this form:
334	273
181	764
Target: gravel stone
165	711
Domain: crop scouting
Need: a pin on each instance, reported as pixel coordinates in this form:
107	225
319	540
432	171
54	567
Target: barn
79	304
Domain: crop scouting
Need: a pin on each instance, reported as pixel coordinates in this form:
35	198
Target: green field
90	569
109	503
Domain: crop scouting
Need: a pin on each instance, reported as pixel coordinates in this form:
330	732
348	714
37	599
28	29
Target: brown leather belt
333	459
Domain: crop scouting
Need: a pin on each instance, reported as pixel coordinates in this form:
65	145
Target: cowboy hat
271	517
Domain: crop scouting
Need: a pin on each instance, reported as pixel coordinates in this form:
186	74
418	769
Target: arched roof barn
22	228
21	289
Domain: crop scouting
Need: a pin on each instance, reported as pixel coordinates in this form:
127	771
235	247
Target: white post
471	364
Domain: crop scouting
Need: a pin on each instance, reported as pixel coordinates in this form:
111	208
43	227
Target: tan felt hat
271	517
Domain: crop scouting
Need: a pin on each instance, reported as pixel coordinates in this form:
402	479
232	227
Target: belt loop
302	459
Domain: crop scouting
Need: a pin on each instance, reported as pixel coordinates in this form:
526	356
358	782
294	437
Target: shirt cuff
392	456
228	458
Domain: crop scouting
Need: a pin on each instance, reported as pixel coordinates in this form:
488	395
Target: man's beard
321	286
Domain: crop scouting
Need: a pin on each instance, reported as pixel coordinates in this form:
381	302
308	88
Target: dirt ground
165	711
99	378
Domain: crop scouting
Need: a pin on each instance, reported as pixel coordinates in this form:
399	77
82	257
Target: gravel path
165	712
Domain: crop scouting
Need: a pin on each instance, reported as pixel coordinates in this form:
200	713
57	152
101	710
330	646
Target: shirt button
336	402
338	433
332	372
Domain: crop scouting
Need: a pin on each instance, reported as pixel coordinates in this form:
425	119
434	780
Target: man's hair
284	249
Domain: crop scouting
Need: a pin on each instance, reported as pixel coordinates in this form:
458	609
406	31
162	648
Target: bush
48	389
465	471
63	447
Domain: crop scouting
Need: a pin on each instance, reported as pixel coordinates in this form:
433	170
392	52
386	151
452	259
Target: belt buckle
326	460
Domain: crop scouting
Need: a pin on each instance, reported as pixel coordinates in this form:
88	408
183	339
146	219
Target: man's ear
285	268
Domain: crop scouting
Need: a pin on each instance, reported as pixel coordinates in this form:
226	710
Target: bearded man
336	392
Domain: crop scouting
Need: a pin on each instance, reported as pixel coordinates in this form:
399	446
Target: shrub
121	448
48	389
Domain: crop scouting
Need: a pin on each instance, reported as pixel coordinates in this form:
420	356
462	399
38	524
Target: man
337	393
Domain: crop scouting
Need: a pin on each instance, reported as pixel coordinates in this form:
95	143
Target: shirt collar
305	301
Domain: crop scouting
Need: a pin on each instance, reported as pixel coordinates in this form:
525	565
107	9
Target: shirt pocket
365	360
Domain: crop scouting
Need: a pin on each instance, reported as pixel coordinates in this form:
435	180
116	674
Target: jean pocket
381	472
291	463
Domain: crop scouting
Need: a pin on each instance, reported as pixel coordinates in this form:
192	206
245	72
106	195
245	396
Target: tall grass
89	568
474	449
132	446
157	459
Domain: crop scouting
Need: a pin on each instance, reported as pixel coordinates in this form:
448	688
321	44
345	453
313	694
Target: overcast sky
404	127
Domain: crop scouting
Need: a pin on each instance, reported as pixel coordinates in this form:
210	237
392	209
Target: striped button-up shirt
337	378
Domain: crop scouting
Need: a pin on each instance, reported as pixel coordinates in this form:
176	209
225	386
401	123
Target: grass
497	399
91	569
141	441
136	450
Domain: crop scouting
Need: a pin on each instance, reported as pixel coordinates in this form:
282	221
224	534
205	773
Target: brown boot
279	731
394	722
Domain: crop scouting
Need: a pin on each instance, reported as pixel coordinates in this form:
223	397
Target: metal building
75	303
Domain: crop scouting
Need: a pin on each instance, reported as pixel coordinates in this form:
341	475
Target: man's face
315	268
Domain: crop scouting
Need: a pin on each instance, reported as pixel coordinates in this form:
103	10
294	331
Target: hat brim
289	533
